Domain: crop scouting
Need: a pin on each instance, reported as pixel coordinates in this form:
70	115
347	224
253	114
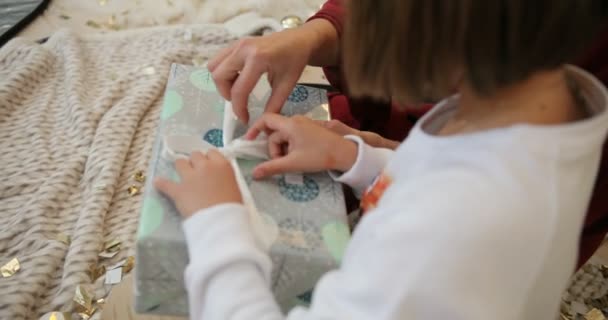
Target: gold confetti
133	190
149	70
107	254
64	16
87	315
111	23
129	264
595	314
101	301
83	300
55	315
10	268
112	245
96	272
62	237
112	20
102	2
139	176
93	24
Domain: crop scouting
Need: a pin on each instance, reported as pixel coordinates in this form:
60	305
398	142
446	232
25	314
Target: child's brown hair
412	50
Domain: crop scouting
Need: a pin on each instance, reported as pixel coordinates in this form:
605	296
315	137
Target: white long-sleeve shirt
472	226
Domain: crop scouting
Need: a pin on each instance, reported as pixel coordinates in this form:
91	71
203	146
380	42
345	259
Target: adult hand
200	178
301	145
282	55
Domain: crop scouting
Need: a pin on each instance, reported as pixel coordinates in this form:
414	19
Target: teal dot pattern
299	94
306	297
215	137
299	193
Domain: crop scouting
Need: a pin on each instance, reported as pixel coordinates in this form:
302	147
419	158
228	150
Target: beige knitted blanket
78	117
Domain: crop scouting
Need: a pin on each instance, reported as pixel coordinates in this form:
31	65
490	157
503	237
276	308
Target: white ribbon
181	146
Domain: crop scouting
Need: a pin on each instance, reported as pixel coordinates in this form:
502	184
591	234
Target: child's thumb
167	187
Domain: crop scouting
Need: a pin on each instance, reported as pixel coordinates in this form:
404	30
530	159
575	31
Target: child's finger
273	167
183	168
276	140
197	159
268	122
167	187
214	155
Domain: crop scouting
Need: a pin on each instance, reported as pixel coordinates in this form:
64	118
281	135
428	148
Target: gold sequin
56	315
139	176
133	190
112	245
595	314
96	272
62	237
93	24
107	254
10	268
129	264
83	300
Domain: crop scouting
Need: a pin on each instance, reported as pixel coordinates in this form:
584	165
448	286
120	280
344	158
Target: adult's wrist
325	44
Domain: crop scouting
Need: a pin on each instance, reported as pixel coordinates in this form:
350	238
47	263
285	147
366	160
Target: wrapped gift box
308	210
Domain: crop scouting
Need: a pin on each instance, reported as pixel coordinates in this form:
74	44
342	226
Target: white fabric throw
78	117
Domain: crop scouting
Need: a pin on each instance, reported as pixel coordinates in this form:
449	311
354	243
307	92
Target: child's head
412	50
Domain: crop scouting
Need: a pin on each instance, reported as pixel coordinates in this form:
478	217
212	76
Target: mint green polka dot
202	79
173	176
336	236
219	107
172	104
151	217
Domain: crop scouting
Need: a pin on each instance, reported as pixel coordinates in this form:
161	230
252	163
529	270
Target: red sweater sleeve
332	11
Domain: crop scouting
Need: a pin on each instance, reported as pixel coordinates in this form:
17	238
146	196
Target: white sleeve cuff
369	164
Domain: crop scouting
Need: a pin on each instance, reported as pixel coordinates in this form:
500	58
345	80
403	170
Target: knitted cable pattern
78	117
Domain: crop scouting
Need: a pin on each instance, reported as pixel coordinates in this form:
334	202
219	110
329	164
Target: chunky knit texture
78	118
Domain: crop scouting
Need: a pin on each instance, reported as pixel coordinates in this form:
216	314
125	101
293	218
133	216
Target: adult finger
167	187
281	89
219	57
226	72
242	87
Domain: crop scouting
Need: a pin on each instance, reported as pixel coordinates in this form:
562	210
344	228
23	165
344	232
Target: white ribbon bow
181	146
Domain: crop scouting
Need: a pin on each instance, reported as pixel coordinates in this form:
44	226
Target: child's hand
371	138
299	144
206	180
